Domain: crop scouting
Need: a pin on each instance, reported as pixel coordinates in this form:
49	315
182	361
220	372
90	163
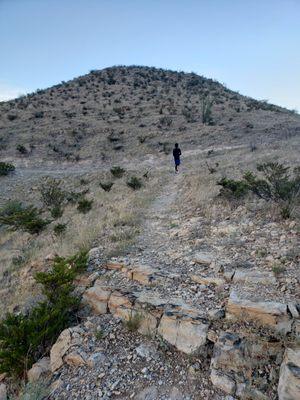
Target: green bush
26	338
84	205
19	217
237	189
59	229
51	193
6	168
106	186
277	184
22	149
134	183
117	172
56	212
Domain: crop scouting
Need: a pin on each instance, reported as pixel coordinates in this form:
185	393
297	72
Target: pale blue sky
252	46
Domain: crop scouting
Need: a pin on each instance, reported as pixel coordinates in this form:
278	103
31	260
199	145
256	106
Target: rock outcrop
289	380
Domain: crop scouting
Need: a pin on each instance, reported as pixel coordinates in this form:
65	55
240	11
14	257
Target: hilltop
134	110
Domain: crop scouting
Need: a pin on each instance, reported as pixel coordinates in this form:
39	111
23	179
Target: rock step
178	323
266	313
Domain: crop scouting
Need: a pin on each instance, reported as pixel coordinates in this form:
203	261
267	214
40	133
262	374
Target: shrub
278	184
22	149
106	186
51	193
6	168
134	322
236	188
206	110
84	205
25	338
56	212
59	229
18	217
134	183
117	172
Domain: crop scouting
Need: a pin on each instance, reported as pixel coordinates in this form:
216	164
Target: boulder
68	339
38	369
97	297
187	333
289	378
269	313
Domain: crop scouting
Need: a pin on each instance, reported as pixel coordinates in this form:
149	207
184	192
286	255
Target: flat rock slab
268	313
204	258
254	276
289	380
207	280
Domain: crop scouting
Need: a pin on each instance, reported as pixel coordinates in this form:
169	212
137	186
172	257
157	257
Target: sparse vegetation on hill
6	168
115	109
19	217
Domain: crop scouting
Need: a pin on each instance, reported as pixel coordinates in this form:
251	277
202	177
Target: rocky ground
205	305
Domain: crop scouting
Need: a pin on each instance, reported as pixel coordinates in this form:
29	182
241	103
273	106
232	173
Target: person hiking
176	155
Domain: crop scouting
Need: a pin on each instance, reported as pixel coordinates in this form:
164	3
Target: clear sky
253	46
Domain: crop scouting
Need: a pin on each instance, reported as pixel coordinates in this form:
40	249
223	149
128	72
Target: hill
135	110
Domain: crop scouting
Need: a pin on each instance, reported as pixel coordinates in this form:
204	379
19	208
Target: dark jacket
176	153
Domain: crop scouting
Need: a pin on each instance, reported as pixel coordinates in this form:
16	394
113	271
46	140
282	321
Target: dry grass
113	223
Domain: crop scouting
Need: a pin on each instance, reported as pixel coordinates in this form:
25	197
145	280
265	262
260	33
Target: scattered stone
150	393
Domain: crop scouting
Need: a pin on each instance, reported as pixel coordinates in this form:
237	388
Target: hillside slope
134	110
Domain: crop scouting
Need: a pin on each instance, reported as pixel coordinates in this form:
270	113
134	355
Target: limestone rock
97	297
222	381
268	313
289	379
38	369
207	280
67	339
145	275
120	304
203	258
186	333
114	266
254	276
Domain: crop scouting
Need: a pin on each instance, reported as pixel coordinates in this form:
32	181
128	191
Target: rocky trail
182	316
171	319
